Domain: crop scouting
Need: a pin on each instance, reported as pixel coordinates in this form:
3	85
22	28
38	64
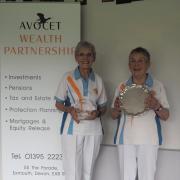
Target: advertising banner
37	42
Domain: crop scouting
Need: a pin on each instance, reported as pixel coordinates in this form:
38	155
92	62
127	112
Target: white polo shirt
92	89
146	127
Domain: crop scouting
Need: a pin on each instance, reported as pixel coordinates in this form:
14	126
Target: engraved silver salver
133	99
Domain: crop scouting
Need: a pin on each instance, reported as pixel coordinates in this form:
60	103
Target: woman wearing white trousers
138	137
81	97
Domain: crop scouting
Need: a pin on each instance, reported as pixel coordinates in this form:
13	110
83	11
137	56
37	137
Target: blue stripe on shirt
117	129
67	103
121	140
158	123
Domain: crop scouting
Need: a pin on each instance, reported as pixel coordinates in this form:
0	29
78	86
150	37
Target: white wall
115	30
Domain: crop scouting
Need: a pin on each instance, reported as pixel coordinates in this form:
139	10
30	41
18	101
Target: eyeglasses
88	55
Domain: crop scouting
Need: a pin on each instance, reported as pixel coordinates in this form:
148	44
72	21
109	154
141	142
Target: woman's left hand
93	114
152	102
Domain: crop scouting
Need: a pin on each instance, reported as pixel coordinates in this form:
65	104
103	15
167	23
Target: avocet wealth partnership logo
43	22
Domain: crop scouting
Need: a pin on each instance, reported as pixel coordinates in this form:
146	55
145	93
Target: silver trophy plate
133	99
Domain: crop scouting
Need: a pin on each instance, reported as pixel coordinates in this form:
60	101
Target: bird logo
42	19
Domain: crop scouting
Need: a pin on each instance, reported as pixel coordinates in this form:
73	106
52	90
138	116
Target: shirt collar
148	82
77	74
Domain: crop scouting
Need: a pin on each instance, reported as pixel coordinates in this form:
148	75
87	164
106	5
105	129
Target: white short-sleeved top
91	89
146	127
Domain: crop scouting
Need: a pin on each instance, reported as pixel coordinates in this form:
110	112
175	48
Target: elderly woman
138	137
81	96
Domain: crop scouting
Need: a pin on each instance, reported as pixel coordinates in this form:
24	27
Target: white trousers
137	159
79	155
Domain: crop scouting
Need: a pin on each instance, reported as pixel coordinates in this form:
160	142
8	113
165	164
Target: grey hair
85	44
142	51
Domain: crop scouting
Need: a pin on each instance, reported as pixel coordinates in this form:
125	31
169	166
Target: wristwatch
98	113
159	109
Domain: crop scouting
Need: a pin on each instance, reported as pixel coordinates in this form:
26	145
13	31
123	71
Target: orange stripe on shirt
75	88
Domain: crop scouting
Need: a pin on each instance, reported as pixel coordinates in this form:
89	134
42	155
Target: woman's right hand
117	104
116	111
74	113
